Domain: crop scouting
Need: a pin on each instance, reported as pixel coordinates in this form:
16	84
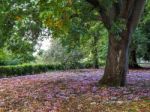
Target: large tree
120	17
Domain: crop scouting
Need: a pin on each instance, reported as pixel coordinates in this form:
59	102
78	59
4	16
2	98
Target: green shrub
29	69
18	70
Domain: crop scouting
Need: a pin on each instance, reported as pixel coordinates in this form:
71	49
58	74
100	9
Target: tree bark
117	61
132	59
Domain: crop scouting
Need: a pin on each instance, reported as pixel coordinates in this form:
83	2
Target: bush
29	69
19	70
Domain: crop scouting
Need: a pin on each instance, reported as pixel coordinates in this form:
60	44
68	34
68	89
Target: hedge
19	70
29	69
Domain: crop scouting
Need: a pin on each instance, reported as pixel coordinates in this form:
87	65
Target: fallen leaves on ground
74	91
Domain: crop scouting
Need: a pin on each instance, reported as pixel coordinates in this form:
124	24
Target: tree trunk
95	52
132	59
95	64
117	61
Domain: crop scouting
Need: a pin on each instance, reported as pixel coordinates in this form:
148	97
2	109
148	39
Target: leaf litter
74	91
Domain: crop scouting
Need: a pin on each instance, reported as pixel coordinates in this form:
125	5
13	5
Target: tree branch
136	14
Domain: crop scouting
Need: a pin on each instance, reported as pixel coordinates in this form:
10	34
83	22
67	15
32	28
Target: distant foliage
59	54
71	56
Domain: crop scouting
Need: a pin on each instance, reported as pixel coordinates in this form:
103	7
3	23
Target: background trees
140	40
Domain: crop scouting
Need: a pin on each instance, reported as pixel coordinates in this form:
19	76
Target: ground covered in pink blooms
74	91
